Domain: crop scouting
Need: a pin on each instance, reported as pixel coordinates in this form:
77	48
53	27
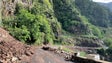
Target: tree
97	14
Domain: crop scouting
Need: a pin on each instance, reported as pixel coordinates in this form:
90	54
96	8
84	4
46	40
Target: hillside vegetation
76	22
108	5
49	21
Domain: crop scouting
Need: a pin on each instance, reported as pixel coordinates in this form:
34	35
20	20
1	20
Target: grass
89	36
67	50
83	54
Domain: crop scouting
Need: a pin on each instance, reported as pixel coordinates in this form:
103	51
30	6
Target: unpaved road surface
10	48
42	56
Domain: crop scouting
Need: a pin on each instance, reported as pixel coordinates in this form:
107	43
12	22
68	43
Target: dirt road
42	56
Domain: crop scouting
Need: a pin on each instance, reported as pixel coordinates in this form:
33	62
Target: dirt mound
11	50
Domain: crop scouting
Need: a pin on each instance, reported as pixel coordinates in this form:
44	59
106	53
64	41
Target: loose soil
14	51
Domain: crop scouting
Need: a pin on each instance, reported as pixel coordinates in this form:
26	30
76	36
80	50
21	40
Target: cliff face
8	6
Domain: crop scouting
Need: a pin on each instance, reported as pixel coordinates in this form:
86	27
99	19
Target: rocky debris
11	50
12	53
77	59
14	59
71	56
59	51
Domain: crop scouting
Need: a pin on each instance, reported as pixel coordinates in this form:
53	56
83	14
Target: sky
104	1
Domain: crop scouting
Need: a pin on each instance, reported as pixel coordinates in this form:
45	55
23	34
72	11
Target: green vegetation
96	14
83	54
33	26
29	27
67	50
73	21
69	16
66	22
108	41
107	53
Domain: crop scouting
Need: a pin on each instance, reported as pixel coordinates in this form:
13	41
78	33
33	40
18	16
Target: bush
21	34
30	28
108	41
96	31
109	50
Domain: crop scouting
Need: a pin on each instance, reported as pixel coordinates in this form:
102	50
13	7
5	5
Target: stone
93	56
14	59
1	61
28	53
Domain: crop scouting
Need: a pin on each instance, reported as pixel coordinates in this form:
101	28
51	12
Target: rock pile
59	51
13	51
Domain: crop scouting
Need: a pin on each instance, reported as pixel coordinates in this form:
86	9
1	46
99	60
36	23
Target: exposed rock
14	59
59	51
8	6
28	53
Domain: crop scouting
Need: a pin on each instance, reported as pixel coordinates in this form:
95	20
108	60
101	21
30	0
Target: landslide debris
13	51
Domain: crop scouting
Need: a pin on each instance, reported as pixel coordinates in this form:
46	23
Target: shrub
21	34
108	41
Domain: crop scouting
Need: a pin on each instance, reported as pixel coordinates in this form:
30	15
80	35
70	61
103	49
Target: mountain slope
108	5
69	17
97	14
37	22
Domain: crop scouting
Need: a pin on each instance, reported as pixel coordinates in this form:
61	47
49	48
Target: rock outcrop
8	6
